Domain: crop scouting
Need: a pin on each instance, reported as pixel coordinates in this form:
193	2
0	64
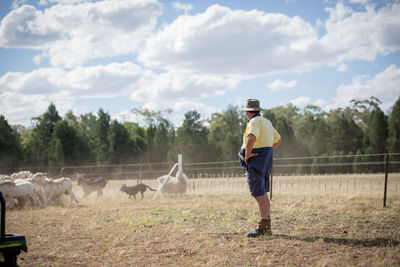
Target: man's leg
257	186
263	206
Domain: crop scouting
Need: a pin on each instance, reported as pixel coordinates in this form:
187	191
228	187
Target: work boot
264	228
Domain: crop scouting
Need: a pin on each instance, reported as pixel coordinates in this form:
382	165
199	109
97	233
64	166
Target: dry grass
209	229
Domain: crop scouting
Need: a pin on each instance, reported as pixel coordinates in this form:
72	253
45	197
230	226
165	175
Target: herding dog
133	190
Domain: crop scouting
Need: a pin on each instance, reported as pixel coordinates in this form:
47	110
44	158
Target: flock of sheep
35	188
39	190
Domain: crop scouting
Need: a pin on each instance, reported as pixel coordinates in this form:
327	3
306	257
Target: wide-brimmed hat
252	105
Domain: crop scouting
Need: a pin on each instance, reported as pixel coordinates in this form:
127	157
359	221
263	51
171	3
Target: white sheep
174	185
21	175
54	189
4	177
36	180
23	189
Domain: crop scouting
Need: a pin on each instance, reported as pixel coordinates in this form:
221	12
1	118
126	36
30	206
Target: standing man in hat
256	156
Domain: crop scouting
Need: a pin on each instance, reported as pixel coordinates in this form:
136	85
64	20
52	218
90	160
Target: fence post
271	182
292	180
386	179
370	181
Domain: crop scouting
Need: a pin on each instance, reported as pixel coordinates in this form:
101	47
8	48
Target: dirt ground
209	229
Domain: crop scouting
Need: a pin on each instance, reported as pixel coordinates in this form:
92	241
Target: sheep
21	190
21	175
37	183
4	177
53	189
174	185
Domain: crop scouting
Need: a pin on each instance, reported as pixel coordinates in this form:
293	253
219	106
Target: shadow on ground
377	242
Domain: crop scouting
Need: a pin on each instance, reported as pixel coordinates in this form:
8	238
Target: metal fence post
271	182
386	179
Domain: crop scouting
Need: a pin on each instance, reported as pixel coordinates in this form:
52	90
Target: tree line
96	139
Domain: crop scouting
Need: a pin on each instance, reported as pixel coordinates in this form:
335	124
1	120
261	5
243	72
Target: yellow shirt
262	129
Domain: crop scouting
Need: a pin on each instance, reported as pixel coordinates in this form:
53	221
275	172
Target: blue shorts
258	184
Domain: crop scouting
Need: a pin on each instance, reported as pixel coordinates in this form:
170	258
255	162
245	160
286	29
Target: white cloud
24	95
232	42
17	3
301	101
171	86
280	85
361	2
65	2
128	115
361	35
182	7
71	35
385	86
251	43
218	41
320	102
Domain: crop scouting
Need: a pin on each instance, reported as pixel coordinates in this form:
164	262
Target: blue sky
194	55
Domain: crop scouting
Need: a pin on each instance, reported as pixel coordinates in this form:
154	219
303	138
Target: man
256	156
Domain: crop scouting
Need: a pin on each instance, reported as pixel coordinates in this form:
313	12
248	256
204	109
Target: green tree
74	146
310	131
225	134
162	142
290	112
10	147
56	154
121	148
269	114
37	147
361	109
192	140
159	136
346	135
394	128
102	127
377	133
287	148
318	143
137	135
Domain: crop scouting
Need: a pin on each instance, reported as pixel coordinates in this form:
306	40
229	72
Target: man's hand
251	139
276	144
249	155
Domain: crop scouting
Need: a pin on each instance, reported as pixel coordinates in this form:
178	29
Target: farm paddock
203	228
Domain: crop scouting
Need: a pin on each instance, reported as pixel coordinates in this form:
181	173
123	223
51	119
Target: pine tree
394	135
394	128
377	131
39	140
56	154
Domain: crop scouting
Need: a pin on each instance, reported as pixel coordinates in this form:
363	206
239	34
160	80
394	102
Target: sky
121	55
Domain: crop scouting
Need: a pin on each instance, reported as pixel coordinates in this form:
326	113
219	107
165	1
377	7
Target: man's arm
276	144
251	139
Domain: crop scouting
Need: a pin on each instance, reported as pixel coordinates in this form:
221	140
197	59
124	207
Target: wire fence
335	173
337	164
370	183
